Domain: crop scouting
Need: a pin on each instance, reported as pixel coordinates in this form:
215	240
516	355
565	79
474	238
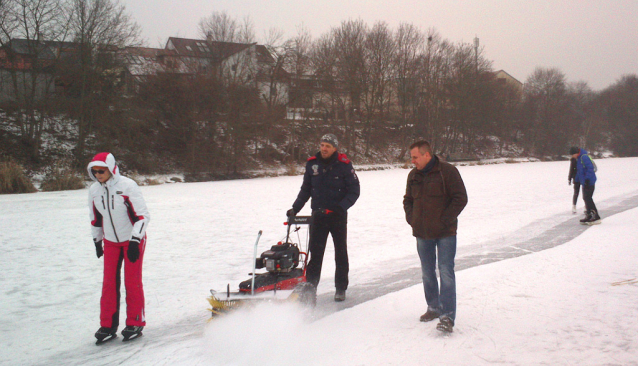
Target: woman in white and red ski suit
119	218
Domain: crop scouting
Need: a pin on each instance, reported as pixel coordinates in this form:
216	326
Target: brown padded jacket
433	201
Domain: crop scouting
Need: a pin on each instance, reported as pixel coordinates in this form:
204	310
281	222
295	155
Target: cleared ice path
515	245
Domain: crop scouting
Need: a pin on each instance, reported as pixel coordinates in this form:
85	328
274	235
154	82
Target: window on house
189	48
203	47
133	60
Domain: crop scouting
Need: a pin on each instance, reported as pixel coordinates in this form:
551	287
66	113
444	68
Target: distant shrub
13	179
136	178
62	178
141	180
291	168
152	182
270	154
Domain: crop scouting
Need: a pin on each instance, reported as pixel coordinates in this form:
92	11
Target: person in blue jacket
587	177
331	182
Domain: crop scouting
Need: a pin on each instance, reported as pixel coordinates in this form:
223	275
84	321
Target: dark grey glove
133	252
291	213
98	248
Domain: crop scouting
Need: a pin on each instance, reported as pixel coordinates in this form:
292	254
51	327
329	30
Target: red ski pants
114	255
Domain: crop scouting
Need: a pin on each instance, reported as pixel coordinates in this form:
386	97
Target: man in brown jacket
434	197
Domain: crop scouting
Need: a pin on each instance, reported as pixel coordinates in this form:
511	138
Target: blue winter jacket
330	184
585	168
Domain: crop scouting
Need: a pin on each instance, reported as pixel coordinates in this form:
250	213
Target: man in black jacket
333	185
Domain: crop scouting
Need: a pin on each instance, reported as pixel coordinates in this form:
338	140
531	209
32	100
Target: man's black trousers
335	224
588	194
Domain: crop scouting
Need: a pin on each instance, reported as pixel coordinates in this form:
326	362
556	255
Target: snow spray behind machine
283	280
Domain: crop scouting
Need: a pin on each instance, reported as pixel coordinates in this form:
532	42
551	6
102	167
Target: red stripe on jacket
97	221
130	210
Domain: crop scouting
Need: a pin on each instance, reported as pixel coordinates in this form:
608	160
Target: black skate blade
105	340
132	337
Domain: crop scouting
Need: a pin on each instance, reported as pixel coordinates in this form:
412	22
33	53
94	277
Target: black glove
133	251
98	248
587	182
291	213
569	182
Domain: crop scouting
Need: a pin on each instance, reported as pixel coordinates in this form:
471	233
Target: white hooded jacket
117	209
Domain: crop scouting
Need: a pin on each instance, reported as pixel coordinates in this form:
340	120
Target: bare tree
349	49
324	63
378	92
584	127
433	93
272	80
8	23
545	110
27	27
99	28
247	73
299	60
409	41
617	106
301	89
467	89
274	70
184	113
221	27
506	121
231	48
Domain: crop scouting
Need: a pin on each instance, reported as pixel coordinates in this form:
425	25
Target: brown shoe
429	316
446	324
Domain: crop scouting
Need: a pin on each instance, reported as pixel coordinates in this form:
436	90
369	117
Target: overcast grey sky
589	40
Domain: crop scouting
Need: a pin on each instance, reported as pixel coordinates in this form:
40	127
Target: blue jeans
443	301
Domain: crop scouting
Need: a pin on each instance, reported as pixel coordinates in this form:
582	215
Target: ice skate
105	334
594	219
131	332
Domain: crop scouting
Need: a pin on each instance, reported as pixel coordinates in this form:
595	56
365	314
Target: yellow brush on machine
282	281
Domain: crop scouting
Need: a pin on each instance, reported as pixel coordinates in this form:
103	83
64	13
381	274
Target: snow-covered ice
574	304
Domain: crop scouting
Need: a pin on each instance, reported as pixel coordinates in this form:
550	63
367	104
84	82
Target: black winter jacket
332	184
